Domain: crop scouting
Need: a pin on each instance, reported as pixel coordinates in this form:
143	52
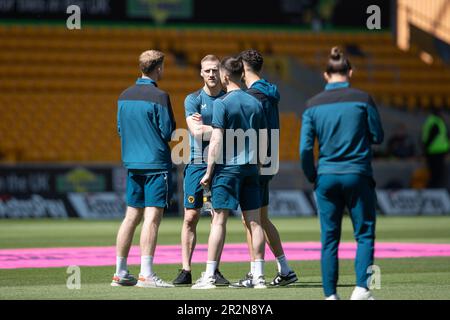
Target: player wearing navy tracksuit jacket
346	123
145	123
267	93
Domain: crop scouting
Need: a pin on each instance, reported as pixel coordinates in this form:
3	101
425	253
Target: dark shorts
264	182
149	188
193	190
236	185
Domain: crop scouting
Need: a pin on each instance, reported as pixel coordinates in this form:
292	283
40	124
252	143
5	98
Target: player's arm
197	128
194	119
373	119
215	146
207	132
263	147
166	119
307	147
118	120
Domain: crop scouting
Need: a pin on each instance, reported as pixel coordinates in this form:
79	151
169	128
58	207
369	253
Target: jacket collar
146	81
337	85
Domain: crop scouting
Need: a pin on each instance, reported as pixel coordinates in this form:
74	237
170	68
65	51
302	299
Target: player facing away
232	169
145	123
346	123
199	112
267	93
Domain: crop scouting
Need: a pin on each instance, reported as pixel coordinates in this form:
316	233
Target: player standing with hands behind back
346	123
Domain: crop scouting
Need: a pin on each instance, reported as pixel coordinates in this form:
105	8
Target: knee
253	224
153	220
330	238
191	219
132	221
219	220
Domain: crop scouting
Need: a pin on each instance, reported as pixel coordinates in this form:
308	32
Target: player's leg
149	238
125	235
189	236
360	200
285	274
216	241
216	238
157	195
330	202
225	197
247	280
133	216
250	201
219	277
193	201
250	247
253	222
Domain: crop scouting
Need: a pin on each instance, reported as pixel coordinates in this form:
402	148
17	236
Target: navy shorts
148	188
264	182
193	190
236	185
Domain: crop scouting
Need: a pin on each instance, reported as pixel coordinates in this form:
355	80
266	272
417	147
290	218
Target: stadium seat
59	90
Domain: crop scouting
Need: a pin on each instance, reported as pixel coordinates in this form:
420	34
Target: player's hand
206	180
197	117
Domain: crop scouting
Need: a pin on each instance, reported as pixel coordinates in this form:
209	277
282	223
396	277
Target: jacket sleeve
166	119
191	106
118	119
219	116
307	147
373	119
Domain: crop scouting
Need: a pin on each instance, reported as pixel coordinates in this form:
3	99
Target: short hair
233	66
253	58
150	60
209	57
338	62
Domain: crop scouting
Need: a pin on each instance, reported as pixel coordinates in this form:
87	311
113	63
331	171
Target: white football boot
152	282
205	282
361	294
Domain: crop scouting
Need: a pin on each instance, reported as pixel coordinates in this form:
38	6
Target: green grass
418	278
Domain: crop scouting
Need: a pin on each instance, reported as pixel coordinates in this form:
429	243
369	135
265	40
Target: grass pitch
416	278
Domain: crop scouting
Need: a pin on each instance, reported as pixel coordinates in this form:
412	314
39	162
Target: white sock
146	266
252	267
283	266
121	266
259	268
211	267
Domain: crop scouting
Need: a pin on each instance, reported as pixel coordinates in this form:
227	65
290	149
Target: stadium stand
59	88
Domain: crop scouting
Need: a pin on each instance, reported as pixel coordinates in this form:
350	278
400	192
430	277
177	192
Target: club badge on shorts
191	199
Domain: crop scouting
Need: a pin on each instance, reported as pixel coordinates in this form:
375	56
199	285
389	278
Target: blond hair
150	60
209	57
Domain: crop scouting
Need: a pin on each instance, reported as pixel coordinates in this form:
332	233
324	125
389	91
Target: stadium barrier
98	192
414	202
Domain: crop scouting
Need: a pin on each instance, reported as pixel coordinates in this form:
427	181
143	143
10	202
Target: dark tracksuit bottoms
346	123
333	193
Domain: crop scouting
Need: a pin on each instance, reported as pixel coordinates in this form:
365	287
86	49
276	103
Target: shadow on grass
315	284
